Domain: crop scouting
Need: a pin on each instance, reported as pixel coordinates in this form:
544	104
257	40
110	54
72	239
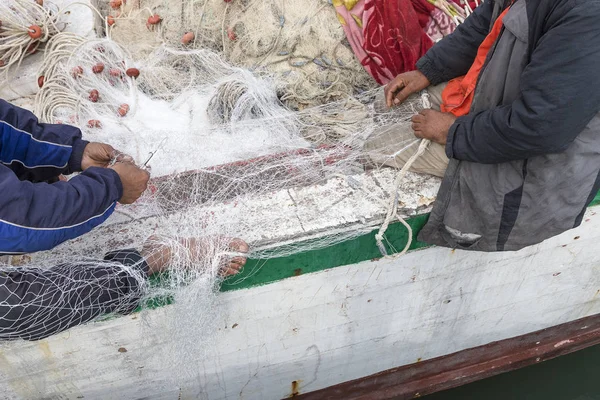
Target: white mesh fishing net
230	158
302	44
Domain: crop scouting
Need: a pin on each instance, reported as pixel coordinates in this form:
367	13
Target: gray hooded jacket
525	162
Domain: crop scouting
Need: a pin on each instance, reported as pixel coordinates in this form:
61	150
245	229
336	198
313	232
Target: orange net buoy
35	32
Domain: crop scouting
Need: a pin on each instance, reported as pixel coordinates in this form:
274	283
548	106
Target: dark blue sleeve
39	216
453	55
36	151
560	94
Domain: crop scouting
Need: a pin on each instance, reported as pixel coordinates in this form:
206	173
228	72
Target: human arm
37	151
559	95
39	216
450	58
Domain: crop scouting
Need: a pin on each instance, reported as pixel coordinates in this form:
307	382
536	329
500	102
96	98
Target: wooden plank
453	370
322	329
287	216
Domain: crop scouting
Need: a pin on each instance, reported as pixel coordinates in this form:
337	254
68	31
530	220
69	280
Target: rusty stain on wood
295	389
452	370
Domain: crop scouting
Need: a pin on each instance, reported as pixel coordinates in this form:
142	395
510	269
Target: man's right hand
398	90
134	181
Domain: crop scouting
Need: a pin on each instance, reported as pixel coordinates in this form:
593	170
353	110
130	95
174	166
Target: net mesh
227	150
302	44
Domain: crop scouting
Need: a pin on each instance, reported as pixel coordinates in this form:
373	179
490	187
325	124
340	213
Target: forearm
36	217
558	97
37	151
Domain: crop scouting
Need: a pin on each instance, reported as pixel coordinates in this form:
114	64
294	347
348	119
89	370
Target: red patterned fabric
394	38
424	10
389	36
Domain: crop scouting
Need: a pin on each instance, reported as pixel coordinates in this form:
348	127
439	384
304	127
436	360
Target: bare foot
159	253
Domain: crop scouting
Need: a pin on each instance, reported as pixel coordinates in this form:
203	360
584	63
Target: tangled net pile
25	25
222	144
301	43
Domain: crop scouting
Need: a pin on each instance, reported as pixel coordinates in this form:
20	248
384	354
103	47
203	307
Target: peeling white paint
296	329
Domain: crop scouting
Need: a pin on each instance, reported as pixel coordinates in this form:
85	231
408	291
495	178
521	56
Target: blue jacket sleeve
453	56
560	94
39	216
36	151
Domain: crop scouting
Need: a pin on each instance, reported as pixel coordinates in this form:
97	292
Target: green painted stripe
359	249
362	248
353	251
596	200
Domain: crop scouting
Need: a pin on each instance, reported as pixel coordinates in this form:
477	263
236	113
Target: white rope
25	26
392	211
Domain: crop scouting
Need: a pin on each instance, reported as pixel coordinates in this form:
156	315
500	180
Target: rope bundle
24	26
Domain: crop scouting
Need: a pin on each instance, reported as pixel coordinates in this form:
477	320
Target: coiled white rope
24	26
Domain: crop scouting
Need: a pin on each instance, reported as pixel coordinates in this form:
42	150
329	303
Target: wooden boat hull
318	330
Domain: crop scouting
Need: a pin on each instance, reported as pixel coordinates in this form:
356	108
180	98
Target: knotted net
236	151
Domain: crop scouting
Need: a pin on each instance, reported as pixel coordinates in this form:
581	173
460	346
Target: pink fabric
389	36
440	25
390	40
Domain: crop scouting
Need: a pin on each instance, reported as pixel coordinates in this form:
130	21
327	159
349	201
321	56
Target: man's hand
97	155
403	86
101	155
433	125
134	181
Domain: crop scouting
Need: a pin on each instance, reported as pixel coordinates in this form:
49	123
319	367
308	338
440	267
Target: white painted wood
325	328
345	206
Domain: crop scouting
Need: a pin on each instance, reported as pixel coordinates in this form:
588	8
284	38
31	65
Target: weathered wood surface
342	206
317	330
453	370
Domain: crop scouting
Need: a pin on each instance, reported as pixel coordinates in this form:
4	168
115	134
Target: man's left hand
433	125
101	155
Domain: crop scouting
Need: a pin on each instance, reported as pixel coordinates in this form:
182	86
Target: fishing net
25	25
302	44
229	158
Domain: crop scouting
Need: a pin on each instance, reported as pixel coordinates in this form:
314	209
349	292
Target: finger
427	112
124	158
402	95
144	177
417	118
236	268
419	134
416	126
109	149
391	89
235	265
